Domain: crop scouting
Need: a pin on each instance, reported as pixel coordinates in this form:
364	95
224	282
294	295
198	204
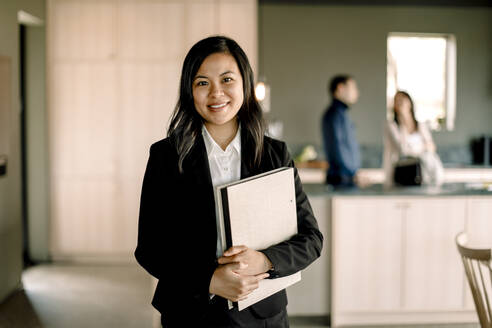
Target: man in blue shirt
341	146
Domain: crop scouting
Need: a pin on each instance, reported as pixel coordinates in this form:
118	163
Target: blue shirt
341	146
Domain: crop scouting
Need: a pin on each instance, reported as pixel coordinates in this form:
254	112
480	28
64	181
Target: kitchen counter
389	255
376	176
448	189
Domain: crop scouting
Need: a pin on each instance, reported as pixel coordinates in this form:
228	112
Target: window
424	65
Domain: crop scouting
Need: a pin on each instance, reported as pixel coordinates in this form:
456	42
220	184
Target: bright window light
424	65
260	91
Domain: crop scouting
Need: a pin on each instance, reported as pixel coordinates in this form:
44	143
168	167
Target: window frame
450	75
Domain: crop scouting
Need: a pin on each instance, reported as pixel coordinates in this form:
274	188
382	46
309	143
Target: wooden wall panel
83	153
82	29
86	224
83	119
242	30
201	22
151	29
113	70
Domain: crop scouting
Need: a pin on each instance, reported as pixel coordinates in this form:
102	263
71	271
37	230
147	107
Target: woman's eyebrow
227	72
200	77
205	77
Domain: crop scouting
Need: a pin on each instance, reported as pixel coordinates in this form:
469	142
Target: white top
415	143
225	167
398	143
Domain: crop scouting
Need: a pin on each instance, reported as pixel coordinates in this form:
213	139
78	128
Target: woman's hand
239	272
251	262
228	283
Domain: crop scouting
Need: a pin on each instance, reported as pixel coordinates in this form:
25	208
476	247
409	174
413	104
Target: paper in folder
258	212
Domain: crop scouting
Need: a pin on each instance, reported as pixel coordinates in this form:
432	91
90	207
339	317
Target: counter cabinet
392	259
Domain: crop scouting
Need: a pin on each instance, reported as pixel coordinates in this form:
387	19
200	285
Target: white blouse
225	167
398	143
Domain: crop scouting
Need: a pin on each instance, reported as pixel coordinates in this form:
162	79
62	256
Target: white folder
258	212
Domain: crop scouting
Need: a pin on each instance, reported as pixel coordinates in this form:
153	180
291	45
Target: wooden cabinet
479	221
479	229
366	247
394	259
432	268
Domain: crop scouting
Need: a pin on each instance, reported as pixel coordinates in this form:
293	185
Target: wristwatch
272	273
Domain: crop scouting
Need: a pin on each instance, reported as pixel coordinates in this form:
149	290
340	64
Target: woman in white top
405	137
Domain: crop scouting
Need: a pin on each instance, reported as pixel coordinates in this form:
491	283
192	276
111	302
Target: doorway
33	140
27	261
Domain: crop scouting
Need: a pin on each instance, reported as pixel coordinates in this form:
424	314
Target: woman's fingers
250	283
233	254
262	276
238	266
256	261
226	260
247	284
228	282
235	250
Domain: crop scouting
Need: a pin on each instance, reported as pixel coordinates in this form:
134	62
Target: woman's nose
216	90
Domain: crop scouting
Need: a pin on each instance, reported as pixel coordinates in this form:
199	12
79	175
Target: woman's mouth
216	107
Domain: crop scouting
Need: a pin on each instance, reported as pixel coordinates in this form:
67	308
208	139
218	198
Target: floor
60	296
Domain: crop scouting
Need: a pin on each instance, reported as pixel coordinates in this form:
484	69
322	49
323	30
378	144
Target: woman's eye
201	83
228	79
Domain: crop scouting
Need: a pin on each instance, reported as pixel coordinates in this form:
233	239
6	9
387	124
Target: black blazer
177	235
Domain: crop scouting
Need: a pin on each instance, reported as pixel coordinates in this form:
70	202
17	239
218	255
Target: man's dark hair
335	81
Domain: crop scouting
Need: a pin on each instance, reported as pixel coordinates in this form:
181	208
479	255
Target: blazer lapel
198	166
200	195
245	171
198	178
265	165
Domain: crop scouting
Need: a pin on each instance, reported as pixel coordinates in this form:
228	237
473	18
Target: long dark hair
412	110
186	124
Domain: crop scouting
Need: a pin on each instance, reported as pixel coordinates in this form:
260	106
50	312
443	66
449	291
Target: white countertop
451	175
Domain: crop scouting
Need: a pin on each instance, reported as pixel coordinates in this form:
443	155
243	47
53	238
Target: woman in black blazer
177	235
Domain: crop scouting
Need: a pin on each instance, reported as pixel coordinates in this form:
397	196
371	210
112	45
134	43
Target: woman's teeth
218	106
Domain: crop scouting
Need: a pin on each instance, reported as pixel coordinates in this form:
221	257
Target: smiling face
218	91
